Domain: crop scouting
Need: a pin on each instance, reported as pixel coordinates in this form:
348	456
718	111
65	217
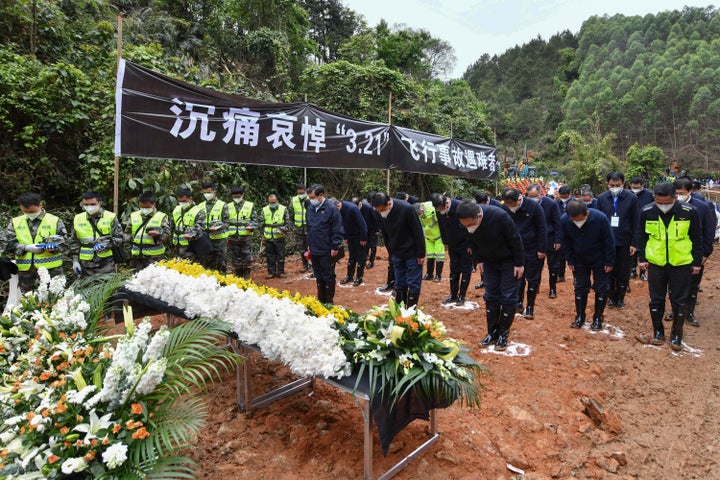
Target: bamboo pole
116	178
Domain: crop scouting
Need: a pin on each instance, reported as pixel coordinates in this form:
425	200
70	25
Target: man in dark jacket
554	234
620	207
454	235
708	221
529	219
356	236
495	241
589	248
373	227
325	237
644	196
404	237
563	197
670	249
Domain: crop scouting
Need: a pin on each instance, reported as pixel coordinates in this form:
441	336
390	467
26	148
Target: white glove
32	248
77	268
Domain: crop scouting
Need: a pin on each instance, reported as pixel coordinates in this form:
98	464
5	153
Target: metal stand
246	403
244	388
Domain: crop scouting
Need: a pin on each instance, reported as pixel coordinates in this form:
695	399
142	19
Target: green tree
647	162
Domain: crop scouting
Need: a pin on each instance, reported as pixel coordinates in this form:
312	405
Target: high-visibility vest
299	216
273	222
668	245
239	219
87	235
48	226
430	223
142	242
181	221
215	213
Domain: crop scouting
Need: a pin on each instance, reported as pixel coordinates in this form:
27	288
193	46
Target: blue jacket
708	219
353	222
325	230
497	238
403	232
593	245
453	234
371	217
627	211
552	220
530	221
644	197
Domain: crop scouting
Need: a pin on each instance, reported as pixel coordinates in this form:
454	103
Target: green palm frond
98	291
175	424
159	468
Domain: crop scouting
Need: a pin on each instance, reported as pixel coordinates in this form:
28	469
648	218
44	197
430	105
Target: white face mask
91	209
33	216
565	200
385	213
615	190
183	204
683	198
665	207
303	196
314	202
636	190
146	211
472	228
514	209
444	211
208	196
237	199
579	223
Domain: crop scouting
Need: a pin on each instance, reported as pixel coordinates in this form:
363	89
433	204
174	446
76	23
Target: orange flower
60	408
136	408
140	434
105	441
44	375
116	428
64	430
90	456
53	458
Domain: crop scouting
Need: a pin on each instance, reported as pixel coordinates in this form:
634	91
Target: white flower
73	465
151	378
75	397
96	424
115	455
157	344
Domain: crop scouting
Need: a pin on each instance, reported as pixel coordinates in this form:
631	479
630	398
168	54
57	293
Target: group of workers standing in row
669	234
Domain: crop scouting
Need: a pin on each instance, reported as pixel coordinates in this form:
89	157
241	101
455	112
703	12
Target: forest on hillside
635	93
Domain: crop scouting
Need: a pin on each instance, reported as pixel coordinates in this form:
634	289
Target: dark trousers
531	276
600	280
357	254
675	279
408	274
500	285
620	275
553	258
241	250
28	279
217	258
372	246
275	253
301	243
460	261
323	268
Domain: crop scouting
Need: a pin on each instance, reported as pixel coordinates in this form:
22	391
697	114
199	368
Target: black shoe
552	294
282	275
346	280
628	289
480	285
529	312
370	265
691	320
427	276
387	287
643	277
460	301
620	305
610	303
437	279
578	323
358	281
668	316
489	340
520	309
633	275
502	342
450	299
270	275
658	338
596	324
312	275
676	343
561	278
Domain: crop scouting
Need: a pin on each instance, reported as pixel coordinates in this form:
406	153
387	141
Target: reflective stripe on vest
673	242
48	226
142	242
299	216
85	233
239	219
185	220
215	213
273	222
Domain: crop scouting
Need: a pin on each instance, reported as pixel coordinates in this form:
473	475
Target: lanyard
615	203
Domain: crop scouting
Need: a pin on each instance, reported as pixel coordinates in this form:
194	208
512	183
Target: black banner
160	117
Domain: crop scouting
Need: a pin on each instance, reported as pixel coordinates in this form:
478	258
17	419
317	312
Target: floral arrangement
404	350
257	315
401	349
76	403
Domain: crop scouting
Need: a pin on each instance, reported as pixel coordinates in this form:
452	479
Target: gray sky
474	28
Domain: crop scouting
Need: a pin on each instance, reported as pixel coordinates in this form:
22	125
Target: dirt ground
657	417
